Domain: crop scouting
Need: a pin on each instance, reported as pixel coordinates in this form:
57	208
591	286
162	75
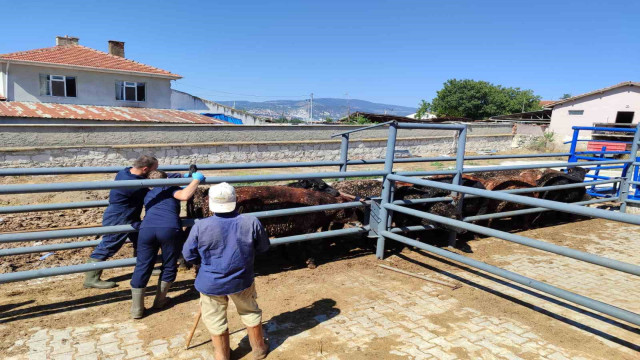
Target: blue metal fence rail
622	192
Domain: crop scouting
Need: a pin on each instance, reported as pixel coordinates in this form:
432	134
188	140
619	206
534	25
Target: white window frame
64	85
134	85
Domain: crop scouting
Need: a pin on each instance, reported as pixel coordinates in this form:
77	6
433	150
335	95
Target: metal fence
381	208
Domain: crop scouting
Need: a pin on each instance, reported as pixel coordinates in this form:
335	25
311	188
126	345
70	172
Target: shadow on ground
281	327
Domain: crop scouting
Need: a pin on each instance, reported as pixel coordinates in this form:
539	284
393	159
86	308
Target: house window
576	112
130	91
57	85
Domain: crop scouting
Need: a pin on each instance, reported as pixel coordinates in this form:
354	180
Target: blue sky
395	52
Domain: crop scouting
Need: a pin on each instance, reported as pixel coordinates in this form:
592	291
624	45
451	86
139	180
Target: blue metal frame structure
613	190
381	208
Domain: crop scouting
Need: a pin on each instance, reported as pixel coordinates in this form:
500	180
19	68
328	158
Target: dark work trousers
111	243
150	240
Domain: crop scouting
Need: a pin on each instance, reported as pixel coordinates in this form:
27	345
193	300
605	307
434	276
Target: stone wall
39	135
231	152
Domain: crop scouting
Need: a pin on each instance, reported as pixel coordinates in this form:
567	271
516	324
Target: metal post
628	176
574	143
344	154
457	179
386	188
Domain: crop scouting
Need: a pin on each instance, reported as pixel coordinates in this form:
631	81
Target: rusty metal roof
21	109
79	56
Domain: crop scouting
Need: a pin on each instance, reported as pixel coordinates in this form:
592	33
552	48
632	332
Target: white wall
93	88
598	108
185	101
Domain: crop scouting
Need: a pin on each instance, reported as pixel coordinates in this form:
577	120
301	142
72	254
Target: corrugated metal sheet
21	109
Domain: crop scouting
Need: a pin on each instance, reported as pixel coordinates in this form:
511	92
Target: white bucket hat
222	198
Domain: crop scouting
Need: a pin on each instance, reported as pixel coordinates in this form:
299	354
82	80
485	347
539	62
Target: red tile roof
544	103
84	57
21	109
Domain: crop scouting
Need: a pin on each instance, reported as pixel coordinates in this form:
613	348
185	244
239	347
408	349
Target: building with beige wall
619	104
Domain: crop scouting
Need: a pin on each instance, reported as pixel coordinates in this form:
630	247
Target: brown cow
262	198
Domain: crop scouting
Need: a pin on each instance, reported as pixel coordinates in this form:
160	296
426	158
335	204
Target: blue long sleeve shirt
225	246
161	209
125	204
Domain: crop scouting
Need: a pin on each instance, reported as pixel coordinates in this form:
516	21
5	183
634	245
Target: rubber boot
92	278
259	348
161	294
221	349
137	304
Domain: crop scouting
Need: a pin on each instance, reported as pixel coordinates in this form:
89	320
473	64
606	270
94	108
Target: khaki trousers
214	309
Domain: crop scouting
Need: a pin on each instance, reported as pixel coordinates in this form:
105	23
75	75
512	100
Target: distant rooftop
18	109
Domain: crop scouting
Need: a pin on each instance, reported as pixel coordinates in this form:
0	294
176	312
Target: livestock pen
380	225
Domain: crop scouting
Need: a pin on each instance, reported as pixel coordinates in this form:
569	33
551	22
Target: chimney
116	48
66	40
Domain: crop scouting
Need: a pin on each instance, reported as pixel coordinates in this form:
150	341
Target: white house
619	104
69	73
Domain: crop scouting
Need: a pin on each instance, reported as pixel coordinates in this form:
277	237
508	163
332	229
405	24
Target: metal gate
381	208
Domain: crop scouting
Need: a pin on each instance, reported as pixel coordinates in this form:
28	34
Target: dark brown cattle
262	198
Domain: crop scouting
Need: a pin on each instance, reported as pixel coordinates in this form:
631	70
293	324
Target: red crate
609	146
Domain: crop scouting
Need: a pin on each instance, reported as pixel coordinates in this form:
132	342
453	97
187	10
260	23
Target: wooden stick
456	286
193	329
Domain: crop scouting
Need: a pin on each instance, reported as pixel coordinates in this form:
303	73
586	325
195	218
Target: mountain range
323	108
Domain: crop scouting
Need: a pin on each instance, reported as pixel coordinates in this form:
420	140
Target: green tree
566	96
479	100
423	109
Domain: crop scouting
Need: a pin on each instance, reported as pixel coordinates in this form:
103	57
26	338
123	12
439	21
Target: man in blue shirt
225	245
125	207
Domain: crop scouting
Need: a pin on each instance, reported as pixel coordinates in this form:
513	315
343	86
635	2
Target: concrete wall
598	108
231	152
93	88
12	136
184	101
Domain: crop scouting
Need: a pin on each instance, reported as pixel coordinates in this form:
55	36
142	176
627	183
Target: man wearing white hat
225	245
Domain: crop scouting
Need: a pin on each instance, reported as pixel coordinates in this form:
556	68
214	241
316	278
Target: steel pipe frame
64	270
595	128
458	127
532	210
457	179
268	165
386	194
542	166
61	234
99	185
363	128
114	169
548	204
50	207
522	240
628	176
102	203
538	285
48	248
103	230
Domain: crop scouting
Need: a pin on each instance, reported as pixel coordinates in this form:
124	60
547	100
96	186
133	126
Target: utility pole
348	107
311	112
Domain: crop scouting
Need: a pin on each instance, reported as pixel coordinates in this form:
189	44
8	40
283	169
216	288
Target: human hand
198	176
